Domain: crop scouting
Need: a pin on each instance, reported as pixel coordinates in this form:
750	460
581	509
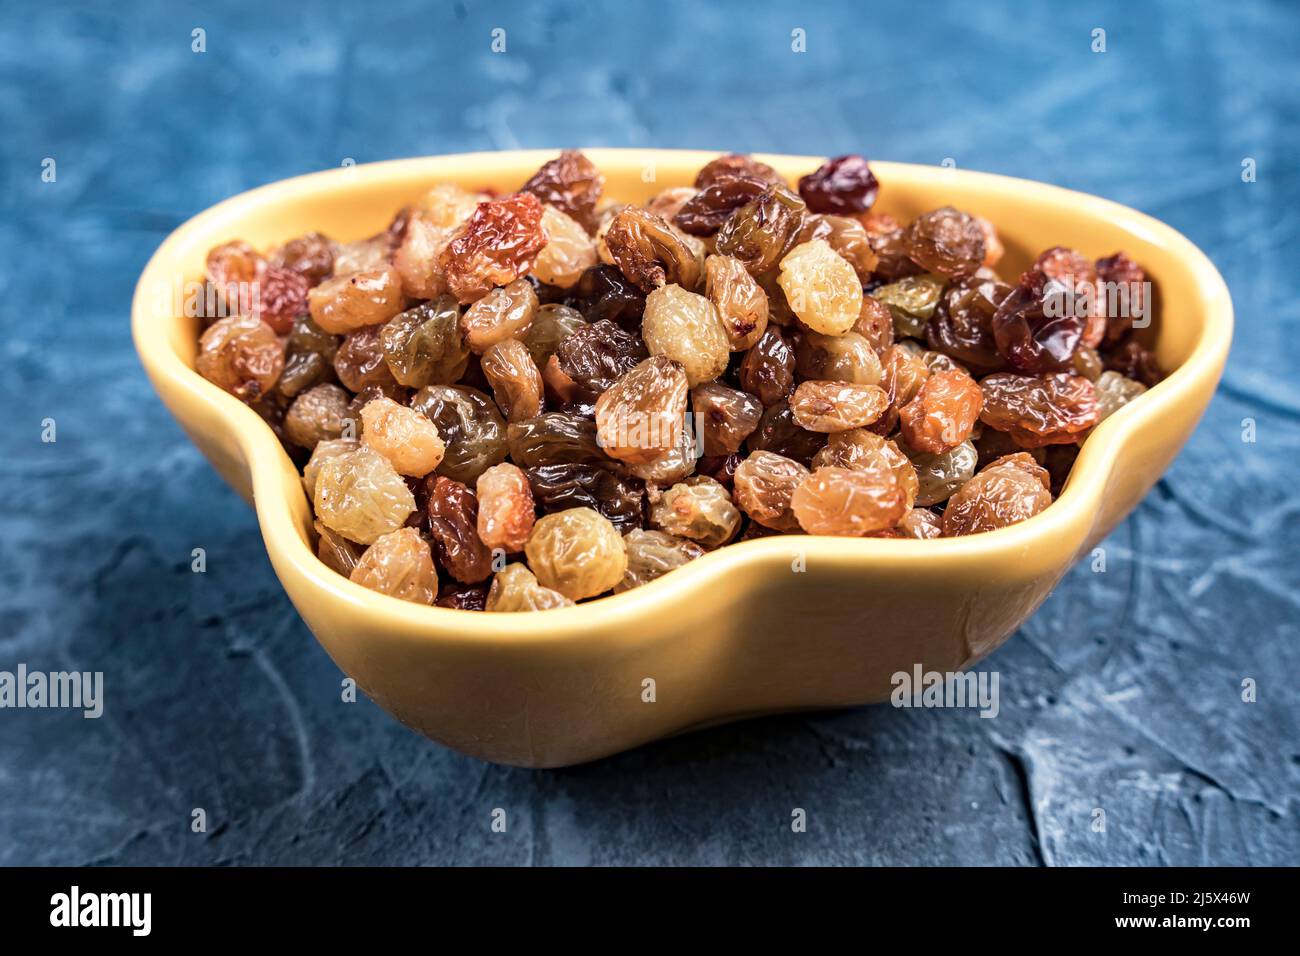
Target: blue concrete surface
1123	693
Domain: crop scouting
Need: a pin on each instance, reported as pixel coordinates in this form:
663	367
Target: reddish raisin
1039	410
498	244
843	186
453	524
572	184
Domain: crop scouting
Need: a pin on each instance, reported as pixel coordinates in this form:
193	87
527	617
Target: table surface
1123	693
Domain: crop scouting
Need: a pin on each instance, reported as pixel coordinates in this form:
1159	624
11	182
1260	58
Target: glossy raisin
515	588
843	185
1037	328
763	485
317	415
640	417
563	485
652	554
706	211
725	417
498	244
501	314
515	379
423	346
962	324
470	426
763	230
848	501
1008	491
1039	410
310	255
572	184
242	355
452	511
735	166
360	496
349	302
506	512
945	241
399	564
740	302
826	406
555	437
943	413
767	371
685	327
594	356
650	253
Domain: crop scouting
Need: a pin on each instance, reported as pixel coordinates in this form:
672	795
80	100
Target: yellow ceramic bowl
776	624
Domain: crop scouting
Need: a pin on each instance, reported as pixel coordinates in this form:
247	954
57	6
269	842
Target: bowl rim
265	458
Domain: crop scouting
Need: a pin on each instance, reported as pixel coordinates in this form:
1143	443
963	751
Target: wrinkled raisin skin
842	186
572	184
705	212
1028	337
563	485
452	511
498	244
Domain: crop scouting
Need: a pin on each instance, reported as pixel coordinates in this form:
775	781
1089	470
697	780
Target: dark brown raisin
647	250
842	186
572	184
705	212
311	256
763	230
1036	327
596	355
1134	361
945	241
1123	282
767	370
779	433
563	485
962	324
733	166
453	521
463	597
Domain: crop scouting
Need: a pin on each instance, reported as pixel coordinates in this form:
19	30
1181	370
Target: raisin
735	166
407	438
721	468
705	212
242	355
839	358
911	301
667	204
515	379
569	251
843	185
672	466
363	255
605	293
921	523
993	444
324	450
551	326
1124	284
1136	362
462	597
943	413
938	476
848	238
501	314
848	501
418	258
763	230
232	266
639	418
596	355
741	302
498	244
650	253
1009	490
945	241
506	512
337	552
1114	391
962	324
1039	410
399	564
1088	363
779	432
875	323
725	417
821	287
825	406
309	357
556	437
763	485
652	554
448	205
563	485
422	346
310	255
577	552
317	415
515	588
890	247
359	299
861	449
360	495
1035	327
452	511
472	430
572	184
698	508
767	371
359	361
280	298
685	327
993	248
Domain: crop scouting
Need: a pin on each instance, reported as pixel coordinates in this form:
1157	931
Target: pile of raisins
516	402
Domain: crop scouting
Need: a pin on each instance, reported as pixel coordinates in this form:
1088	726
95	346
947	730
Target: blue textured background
1122	693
